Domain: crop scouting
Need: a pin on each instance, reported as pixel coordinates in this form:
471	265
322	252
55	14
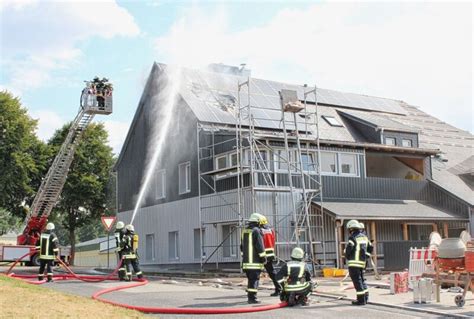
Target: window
407	143
221	162
262	161
348	164
229	233
282	160
184	177
150	247
309	161
173	245
160	184
197	243
390	141
328	163
234	159
331	120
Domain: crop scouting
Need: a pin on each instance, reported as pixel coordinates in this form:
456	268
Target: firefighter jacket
358	250
294	276
253	251
118	239
129	246
48	246
268	240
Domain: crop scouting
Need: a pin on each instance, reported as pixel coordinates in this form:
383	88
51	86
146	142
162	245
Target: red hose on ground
96	296
186	311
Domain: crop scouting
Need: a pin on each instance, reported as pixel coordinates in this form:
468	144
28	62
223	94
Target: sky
418	52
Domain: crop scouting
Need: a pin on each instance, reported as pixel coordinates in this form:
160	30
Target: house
399	170
93	253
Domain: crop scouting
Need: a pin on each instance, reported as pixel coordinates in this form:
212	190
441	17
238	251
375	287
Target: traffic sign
108	221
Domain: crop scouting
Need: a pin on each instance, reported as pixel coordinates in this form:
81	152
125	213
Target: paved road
188	295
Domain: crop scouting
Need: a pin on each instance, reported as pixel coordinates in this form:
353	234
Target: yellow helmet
263	220
297	253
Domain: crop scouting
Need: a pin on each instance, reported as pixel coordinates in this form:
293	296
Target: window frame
176	245
218	157
392	139
233	247
336	173
187	172
356	167
163	182
153	256
407	140
329	119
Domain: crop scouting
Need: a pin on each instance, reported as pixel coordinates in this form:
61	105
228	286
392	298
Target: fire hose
137	283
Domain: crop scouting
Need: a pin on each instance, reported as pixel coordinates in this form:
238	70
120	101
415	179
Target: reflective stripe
252	290
55	238
262	254
366	290
356	264
130	256
49	273
252	266
139	273
297	287
358	293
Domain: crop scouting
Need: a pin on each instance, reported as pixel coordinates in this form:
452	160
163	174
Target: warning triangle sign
108	221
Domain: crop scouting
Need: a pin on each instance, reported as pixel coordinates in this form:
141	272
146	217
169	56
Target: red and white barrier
421	262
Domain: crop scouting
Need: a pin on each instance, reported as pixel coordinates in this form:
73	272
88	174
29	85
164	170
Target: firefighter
253	256
119	232
48	247
295	279
129	253
358	246
268	235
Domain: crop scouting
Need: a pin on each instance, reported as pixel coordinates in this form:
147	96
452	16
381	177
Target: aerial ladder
96	98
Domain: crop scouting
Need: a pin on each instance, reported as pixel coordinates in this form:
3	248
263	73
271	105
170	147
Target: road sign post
108	222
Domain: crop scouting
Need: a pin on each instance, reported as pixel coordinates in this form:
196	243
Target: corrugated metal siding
441	198
181	216
337	187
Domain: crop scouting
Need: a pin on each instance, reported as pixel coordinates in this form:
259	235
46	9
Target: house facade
399	170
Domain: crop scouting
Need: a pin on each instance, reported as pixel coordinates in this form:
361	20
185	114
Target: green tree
23	157
8	222
84	196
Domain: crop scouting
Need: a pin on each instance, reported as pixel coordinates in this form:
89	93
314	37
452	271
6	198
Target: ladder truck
96	98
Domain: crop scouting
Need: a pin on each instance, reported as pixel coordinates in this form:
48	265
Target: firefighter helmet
353	224
263	220
361	225
297	253
254	218
130	228
50	226
120	225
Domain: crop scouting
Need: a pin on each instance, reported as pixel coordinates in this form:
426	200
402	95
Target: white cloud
117	132
420	53
40	38
48	123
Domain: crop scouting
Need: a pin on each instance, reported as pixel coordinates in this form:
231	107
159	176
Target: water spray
167	98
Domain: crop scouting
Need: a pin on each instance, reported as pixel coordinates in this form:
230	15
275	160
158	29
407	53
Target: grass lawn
22	300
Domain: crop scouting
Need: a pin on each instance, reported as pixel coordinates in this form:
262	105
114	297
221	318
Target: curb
433	312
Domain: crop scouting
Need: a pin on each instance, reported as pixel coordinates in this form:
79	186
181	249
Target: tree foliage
23	157
84	196
9	222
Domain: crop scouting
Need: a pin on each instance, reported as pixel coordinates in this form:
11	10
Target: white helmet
50	226
120	225
353	224
297	253
130	228
361	225
254	218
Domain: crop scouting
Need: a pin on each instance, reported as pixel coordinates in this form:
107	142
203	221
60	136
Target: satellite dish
465	236
435	240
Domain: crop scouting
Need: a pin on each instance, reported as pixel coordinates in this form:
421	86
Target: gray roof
377	120
397	209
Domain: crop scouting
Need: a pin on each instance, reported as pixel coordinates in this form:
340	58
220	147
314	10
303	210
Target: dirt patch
22	300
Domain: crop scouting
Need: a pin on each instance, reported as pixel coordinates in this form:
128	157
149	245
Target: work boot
253	301
40	277
304	301
366	297
276	293
360	301
292	299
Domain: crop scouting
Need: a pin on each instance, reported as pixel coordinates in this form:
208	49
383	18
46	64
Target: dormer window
407	143
390	141
331	120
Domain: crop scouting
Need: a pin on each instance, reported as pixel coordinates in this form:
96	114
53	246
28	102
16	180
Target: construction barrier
421	262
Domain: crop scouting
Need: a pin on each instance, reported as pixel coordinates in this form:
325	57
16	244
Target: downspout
381	136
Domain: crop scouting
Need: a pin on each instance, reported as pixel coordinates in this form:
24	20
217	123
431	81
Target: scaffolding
249	178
